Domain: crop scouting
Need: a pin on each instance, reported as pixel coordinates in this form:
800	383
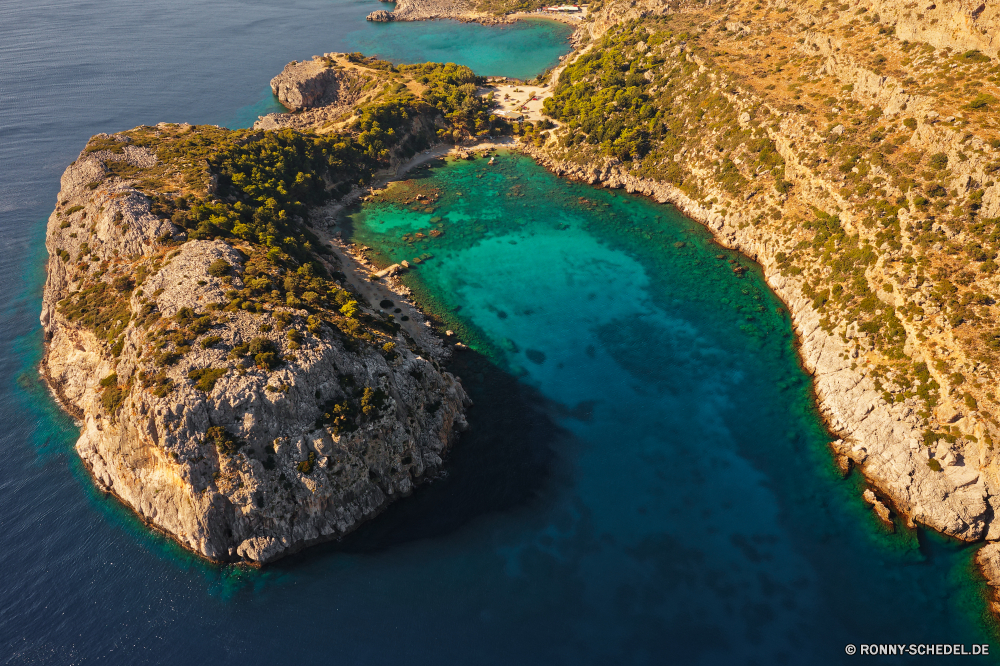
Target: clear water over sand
692	509
579	510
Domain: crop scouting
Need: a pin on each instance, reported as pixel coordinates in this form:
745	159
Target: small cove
575	526
698	491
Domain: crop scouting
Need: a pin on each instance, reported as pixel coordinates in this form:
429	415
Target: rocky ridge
318	92
425	10
238	460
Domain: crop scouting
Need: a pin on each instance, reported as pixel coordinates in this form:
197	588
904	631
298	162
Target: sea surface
646	480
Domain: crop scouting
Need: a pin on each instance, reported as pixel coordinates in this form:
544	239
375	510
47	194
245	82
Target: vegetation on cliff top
254	190
697	99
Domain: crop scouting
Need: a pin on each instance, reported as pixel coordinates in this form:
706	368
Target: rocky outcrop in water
381	16
244	433
319	92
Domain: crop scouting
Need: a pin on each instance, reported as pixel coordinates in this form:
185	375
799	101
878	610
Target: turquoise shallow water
663	497
695	505
521	50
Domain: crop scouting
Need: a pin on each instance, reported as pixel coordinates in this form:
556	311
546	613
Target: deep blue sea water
645	481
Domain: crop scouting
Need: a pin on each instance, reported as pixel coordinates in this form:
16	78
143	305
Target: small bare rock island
233	386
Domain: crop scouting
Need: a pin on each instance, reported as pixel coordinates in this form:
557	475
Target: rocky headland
425	10
851	150
487	13
235	384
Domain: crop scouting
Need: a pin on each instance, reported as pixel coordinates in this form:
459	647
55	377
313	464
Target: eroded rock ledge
238	457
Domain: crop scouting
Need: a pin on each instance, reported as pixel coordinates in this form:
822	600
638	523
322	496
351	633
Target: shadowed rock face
961	25
305	85
254	465
380	16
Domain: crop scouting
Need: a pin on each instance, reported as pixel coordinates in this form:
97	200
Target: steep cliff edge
319	92
956	24
233	385
860	169
245	433
487	12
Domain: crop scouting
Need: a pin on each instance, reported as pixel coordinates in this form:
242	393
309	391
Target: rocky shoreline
428	10
882	440
272	475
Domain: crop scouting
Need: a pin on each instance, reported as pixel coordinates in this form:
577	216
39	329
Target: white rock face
295	478
304	85
881	438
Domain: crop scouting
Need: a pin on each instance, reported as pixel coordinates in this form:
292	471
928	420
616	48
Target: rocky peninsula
234	383
852	150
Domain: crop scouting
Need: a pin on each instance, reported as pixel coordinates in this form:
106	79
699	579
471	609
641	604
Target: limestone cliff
245	429
852	150
957	24
319	92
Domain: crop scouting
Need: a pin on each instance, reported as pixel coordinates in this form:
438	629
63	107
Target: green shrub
166	358
206	378
974	56
219	267
261	345
934	464
282	319
239	351
372	401
938	161
123	283
306	466
267	360
224	442
981	101
350	309
210	341
911	123
111	399
200	325
74	209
